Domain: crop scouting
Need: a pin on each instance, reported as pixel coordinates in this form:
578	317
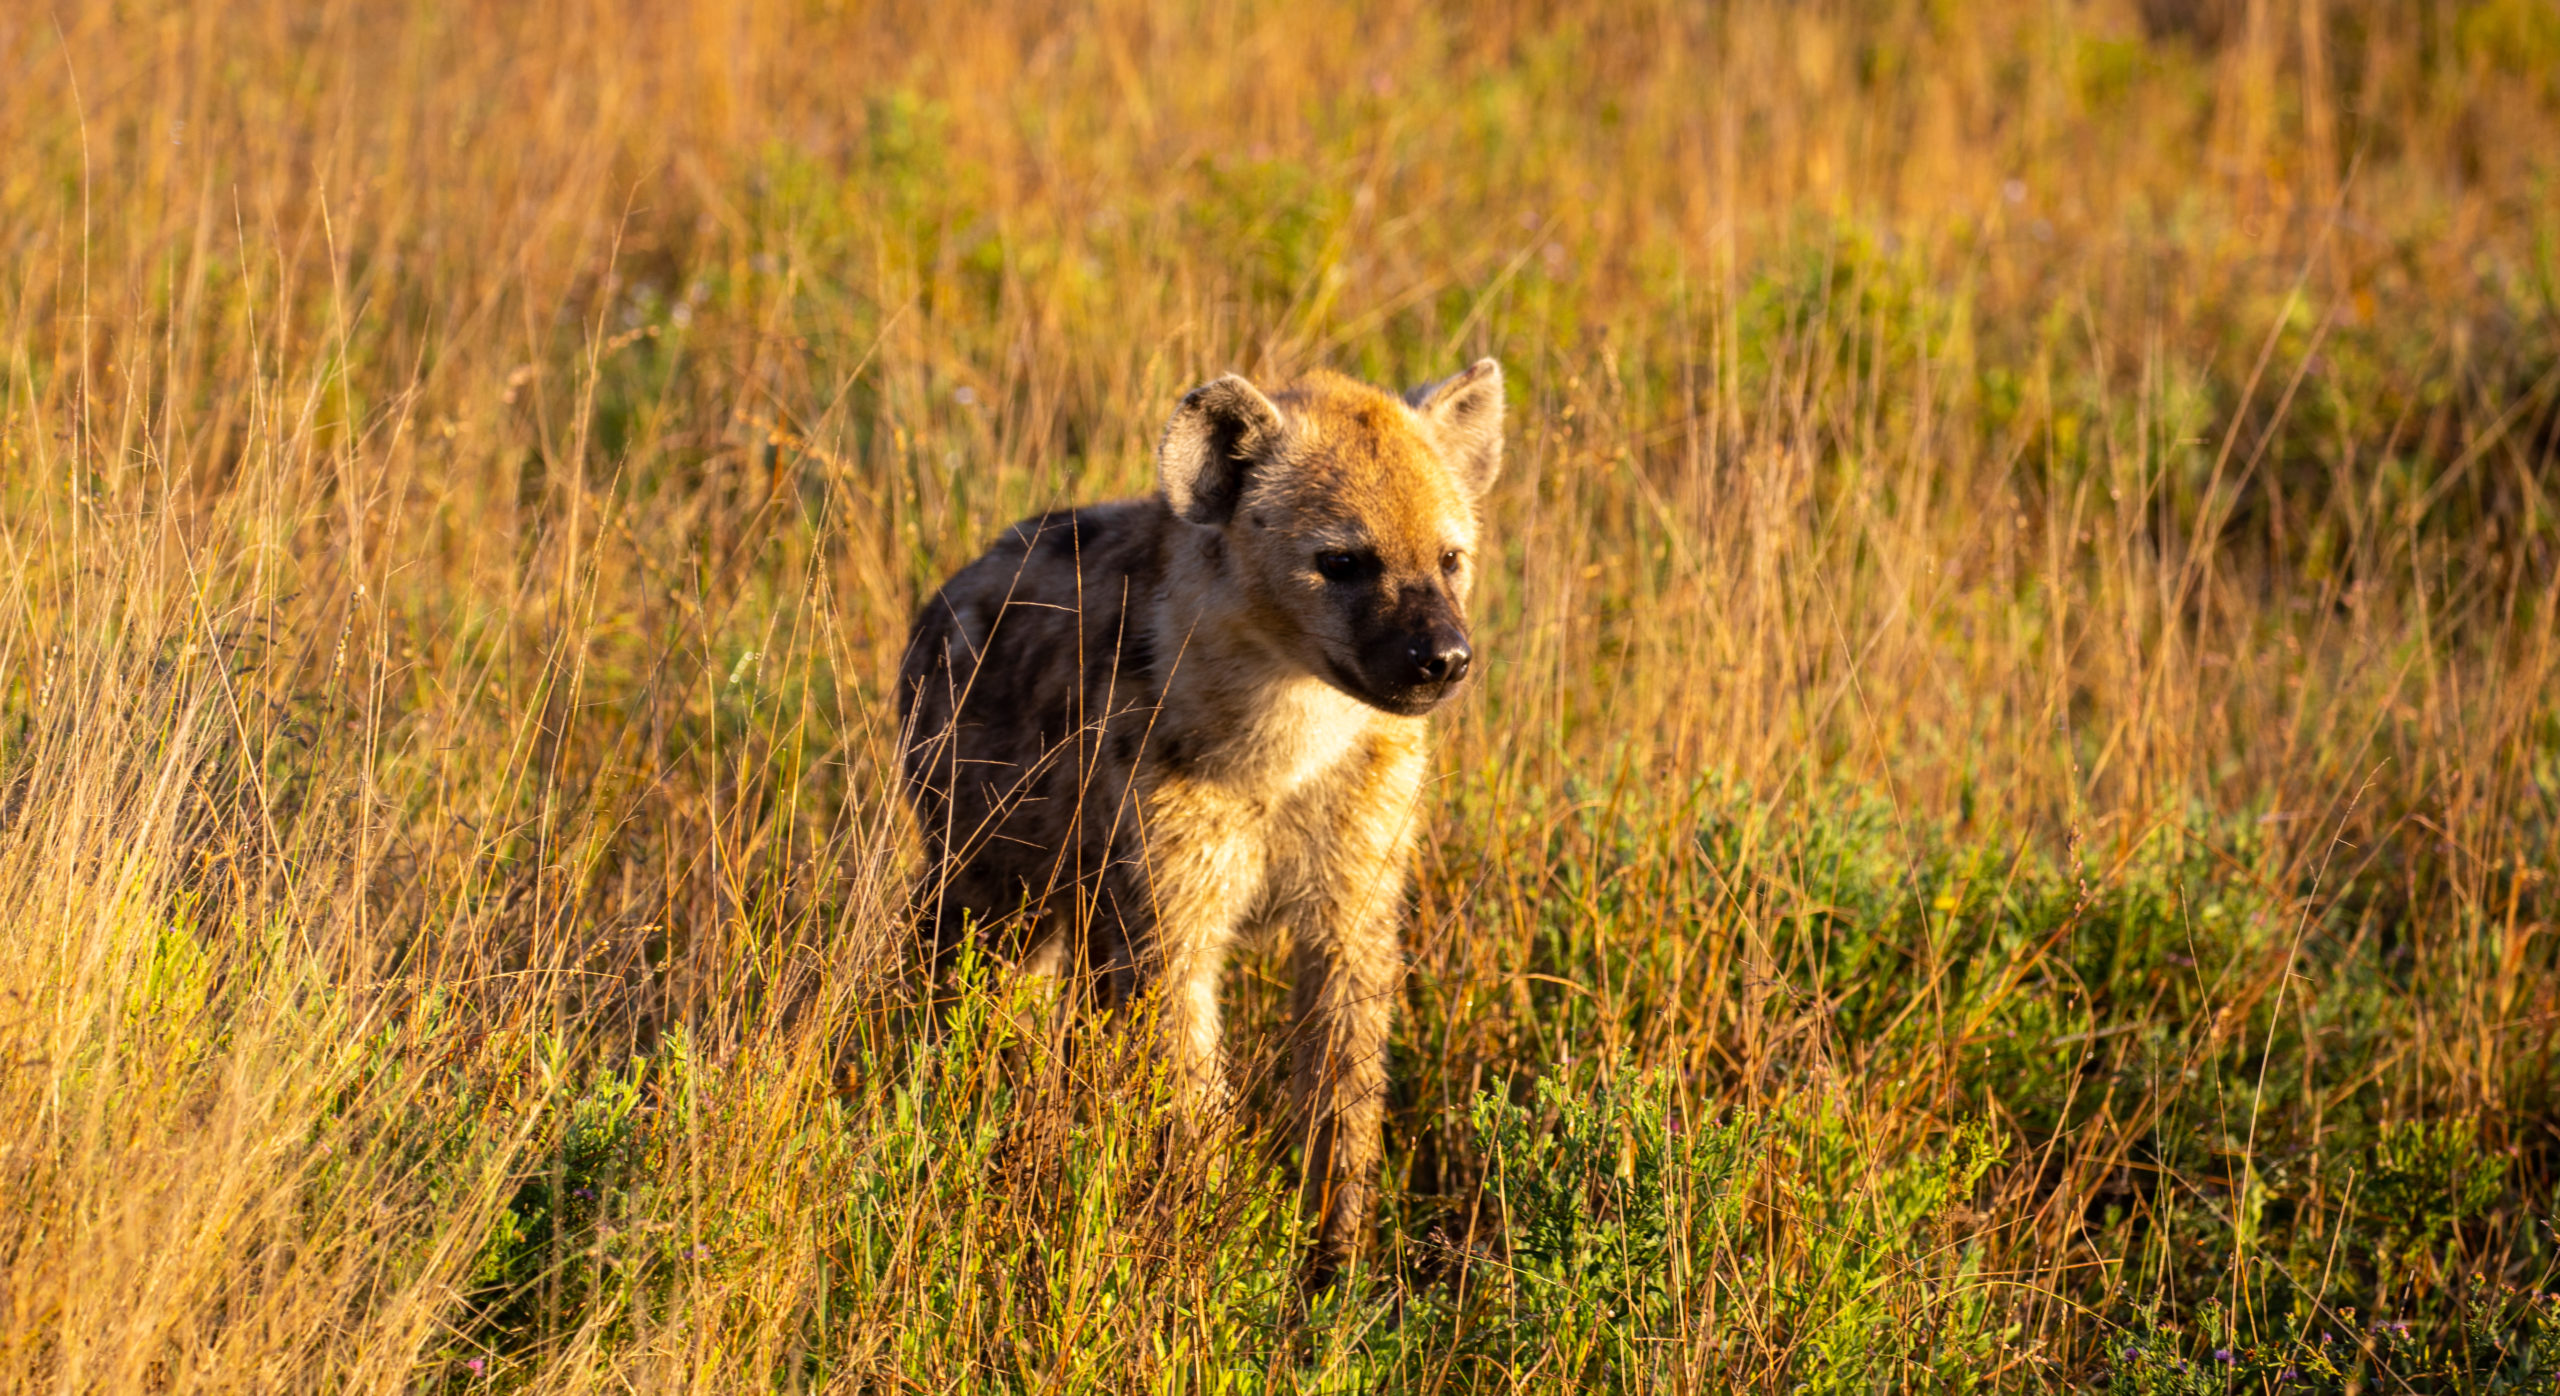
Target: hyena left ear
1215	436
1465	413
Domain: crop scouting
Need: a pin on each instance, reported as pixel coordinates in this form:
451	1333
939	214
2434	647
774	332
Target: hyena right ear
1465	413
1217	433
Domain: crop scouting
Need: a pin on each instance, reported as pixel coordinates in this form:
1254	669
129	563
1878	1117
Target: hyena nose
1442	658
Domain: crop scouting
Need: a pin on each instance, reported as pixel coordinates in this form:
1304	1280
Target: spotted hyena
1141	730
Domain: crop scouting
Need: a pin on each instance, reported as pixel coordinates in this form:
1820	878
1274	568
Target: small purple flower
2290	1374
582	1192
476	1365
2328	1337
2131	1352
2223	1356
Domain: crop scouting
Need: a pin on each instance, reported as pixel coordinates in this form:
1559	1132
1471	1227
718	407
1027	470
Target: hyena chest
1284	745
1254	791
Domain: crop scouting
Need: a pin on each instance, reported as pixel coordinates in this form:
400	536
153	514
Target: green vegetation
2007	841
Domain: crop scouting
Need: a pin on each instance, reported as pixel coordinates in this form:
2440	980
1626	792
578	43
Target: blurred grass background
2006	841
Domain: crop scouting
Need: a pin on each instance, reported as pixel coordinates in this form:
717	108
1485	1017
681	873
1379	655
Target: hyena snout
1417	661
1440	656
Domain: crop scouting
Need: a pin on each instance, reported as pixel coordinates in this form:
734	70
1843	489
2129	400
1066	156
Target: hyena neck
1235	711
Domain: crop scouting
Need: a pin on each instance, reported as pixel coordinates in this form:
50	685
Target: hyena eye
1338	567
1449	560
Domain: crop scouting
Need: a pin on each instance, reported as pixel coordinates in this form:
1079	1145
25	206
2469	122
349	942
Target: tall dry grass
467	470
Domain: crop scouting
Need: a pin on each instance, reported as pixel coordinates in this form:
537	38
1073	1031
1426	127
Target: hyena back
1139	731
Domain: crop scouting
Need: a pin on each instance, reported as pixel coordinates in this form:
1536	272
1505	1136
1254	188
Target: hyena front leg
1204	874
1345	971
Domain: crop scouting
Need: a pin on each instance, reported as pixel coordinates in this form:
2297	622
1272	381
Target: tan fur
1141	730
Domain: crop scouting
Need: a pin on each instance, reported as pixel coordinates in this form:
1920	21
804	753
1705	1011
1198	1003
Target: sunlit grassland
2005	841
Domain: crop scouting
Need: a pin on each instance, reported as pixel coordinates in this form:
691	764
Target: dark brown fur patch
1005	705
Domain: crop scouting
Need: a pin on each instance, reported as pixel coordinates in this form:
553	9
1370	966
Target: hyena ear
1465	413
1217	433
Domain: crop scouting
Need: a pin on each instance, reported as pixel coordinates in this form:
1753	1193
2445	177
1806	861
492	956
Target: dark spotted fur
1042	680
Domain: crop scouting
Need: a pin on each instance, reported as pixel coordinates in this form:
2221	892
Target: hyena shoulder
1015	632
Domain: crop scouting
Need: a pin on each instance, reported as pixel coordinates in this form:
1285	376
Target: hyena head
1343	521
